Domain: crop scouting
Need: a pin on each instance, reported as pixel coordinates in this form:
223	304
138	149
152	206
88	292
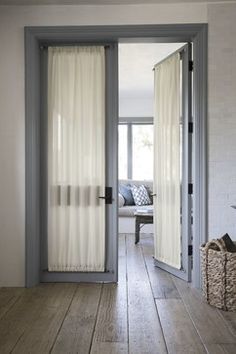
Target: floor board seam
96	318
63	320
189	314
19	338
10	308
145	264
226	323
127	292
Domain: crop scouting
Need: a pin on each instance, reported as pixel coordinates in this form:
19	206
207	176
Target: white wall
12	111
222	119
135	107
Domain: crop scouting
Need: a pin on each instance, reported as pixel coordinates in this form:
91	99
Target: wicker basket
218	275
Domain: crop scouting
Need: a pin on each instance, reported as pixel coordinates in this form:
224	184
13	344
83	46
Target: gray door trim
199	143
40	36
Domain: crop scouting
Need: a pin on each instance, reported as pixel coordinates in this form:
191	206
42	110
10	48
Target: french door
172	163
79	163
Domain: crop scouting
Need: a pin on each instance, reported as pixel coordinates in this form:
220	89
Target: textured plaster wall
222	119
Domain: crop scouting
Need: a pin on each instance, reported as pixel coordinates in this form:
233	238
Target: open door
172	163
79	164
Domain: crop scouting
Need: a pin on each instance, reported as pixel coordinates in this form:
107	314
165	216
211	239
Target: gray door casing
36	37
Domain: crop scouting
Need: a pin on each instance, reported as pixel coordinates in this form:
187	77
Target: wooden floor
149	311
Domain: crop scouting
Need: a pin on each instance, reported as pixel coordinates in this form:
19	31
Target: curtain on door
167	161
76	158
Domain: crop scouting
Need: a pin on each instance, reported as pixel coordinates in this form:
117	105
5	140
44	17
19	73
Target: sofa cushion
129	210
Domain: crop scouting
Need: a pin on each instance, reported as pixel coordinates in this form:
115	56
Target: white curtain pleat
76	158
167	161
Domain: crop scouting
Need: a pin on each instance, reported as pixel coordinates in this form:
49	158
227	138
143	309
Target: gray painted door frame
35	37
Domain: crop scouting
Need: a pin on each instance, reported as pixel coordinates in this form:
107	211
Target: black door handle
108	195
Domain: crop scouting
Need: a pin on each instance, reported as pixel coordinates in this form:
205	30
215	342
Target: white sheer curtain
76	158
167	161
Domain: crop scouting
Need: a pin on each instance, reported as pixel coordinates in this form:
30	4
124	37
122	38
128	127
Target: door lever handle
153	195
108	195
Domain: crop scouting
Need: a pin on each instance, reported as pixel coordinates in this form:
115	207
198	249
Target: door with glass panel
172	163
80	238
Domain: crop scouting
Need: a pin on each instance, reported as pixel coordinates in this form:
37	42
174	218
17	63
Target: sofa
126	212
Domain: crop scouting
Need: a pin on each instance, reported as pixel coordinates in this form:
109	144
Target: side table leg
137	230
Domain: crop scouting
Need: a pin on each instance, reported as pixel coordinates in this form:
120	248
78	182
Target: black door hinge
190	188
190	65
190	127
190	250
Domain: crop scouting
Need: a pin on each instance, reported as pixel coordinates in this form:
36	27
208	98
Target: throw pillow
150	192
125	191
121	200
140	195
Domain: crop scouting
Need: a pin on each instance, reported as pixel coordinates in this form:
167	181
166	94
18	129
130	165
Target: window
123	160
136	150
142	148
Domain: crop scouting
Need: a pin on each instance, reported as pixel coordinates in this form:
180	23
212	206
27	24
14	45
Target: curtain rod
45	47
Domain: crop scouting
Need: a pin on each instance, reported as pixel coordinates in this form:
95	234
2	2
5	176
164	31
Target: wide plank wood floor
147	312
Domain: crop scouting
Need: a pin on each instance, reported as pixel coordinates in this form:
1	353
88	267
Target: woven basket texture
218	276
